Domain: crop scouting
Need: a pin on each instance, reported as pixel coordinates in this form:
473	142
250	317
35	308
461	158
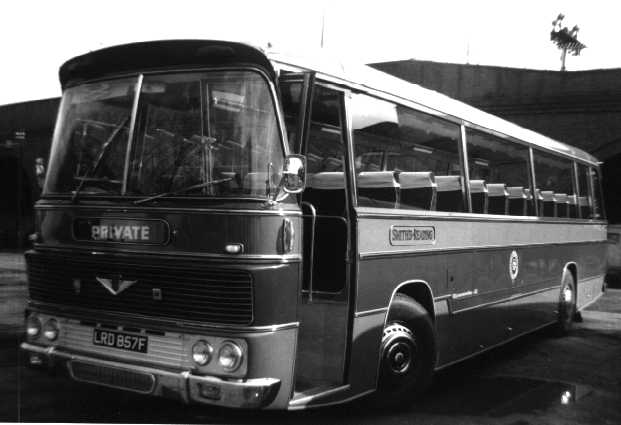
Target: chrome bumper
248	393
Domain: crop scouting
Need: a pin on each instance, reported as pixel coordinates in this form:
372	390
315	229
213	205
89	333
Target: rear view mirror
294	174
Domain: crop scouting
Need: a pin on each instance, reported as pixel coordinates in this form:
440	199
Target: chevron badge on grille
115	285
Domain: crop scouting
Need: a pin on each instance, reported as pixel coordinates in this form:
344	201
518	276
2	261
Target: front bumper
183	385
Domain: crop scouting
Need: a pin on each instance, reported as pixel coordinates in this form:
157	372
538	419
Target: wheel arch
572	267
420	291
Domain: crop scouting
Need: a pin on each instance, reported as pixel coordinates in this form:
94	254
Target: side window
598	206
326	149
554	185
325	154
584	191
405	158
290	94
499	175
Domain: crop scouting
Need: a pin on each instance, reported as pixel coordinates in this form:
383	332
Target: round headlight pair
33	326
50	330
202	352
229	356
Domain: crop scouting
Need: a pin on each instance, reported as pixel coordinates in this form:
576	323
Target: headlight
230	356
202	352
50	329
33	326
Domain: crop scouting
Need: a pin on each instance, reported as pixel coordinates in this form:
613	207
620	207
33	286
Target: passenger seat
379	187
478	195
450	197
417	190
498	198
326	192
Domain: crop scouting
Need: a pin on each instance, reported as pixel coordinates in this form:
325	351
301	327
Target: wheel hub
568	294
399	349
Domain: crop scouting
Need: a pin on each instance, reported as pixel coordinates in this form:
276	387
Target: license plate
120	340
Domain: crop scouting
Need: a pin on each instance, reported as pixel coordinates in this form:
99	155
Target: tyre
566	305
408	353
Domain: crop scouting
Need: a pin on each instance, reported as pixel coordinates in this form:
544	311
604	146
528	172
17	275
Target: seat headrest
416	179
497	189
328	180
561	198
583	201
547	195
477	186
448	183
377	179
517	192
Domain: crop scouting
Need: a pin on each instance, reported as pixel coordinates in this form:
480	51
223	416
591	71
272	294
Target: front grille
113	377
172	291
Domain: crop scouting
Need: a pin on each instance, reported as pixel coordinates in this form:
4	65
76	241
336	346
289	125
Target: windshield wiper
88	175
185	189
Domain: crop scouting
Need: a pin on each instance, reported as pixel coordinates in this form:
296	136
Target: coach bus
234	227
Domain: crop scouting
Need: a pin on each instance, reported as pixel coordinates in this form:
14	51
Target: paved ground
537	379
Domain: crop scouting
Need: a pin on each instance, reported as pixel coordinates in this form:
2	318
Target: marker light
234	248
230	356
51	330
202	352
33	326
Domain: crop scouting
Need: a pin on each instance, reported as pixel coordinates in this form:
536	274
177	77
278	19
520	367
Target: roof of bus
171	53
371	78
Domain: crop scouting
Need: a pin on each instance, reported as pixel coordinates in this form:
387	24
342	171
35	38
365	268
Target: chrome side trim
370	312
305	400
271	258
442	298
403	214
464	294
503	300
340	402
406	253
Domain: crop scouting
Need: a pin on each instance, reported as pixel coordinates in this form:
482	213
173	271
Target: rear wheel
566	304
408	352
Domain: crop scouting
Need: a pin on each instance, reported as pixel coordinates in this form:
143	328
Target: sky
37	36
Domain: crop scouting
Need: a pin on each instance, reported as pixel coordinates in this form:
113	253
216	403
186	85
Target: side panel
479	301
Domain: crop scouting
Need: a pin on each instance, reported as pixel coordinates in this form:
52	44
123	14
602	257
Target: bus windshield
194	134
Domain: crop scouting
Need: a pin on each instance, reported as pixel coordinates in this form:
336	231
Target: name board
121	230
412	235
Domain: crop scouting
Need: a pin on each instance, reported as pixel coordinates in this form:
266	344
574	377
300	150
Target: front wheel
408	352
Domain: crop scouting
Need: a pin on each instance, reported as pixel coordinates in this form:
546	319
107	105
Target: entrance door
323	305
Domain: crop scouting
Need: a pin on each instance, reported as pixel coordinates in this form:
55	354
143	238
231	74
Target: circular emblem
514	265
